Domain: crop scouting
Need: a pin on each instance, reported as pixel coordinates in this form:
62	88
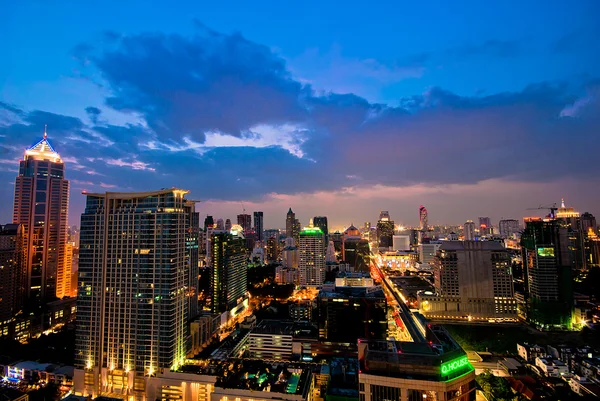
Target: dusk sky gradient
470	108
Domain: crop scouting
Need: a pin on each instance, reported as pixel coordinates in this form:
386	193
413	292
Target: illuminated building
245	220
473	281
192	245
435	369
312	256
228	270
330	253
401	242
321	222
508	228
132	309
547	263
356	250
272	250
588	221
592	249
12	271
569	218
258	225
385	230
42	206
485	226
290	255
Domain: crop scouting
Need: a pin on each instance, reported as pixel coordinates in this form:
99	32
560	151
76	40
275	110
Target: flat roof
285	327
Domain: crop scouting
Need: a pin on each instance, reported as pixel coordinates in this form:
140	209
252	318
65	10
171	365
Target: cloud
131	163
93	113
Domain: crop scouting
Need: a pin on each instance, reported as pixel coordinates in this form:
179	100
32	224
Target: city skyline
350	118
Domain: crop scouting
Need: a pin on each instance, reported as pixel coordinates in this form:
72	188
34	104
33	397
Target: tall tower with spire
42	206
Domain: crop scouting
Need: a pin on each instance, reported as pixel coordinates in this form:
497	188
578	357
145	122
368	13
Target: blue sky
471	108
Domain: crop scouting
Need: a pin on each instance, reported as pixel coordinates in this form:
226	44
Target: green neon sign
545	252
454	365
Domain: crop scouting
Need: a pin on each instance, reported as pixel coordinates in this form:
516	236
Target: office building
473	281
485	226
353	309
547	262
434	369
42	206
312	256
258	225
220	225
280	339
508	228
385	230
588	221
227	224
292	226
245	220
290	254
356	250
228	270
569	218
12	271
321	222
132	310
427	252
469	231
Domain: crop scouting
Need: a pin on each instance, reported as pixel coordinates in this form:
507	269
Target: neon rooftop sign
454	365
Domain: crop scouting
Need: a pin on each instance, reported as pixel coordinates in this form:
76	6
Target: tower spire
562	203
45	131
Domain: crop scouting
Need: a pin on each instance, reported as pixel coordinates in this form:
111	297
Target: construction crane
552	209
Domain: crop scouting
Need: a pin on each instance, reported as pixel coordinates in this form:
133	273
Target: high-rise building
423	219
12	271
321	222
290	225
209	222
508	227
385	230
132	310
469	230
355	250
547	261
192	244
473	281
588	221
272	250
569	218
258	225
245	220
485	226
42	207
220	224
312	256
228	224
229	270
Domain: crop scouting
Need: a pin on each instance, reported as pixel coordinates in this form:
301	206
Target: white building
551	367
427	252
312	256
469	230
401	242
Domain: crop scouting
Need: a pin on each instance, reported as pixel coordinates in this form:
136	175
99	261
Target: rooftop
43	151
471	245
285	327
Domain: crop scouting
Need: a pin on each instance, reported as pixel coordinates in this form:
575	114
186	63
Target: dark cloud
184	87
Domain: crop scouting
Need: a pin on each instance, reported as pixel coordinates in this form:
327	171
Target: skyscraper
312	256
12	271
272	250
209	222
291	225
485	226
385	230
423	219
244	220
132	309
258	225
192	244
547	261
355	250
508	227
469	230
228	224
228	270
321	222
472	281
588	221
42	207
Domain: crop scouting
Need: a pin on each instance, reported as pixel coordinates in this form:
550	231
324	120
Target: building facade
321	222
473	281
12	271
41	205
244	220
508	228
385	230
259	226
229	270
547	262
311	252
132	310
